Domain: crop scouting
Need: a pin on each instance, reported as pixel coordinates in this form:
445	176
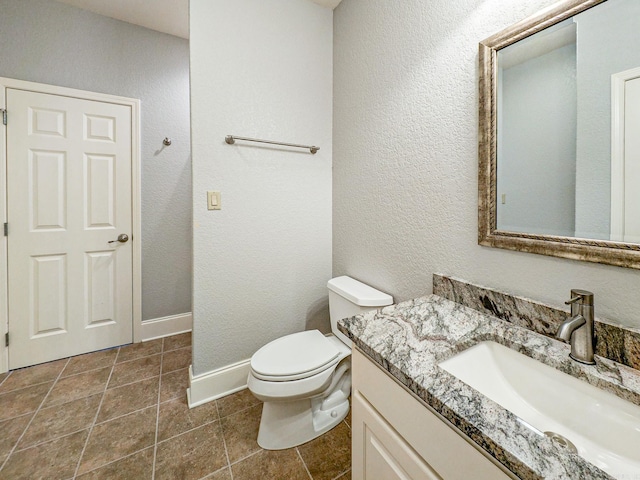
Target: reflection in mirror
559	148
565	166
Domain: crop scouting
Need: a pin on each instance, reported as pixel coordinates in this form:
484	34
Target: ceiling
168	16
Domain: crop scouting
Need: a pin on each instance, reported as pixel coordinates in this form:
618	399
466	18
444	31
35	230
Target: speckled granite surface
621	344
411	338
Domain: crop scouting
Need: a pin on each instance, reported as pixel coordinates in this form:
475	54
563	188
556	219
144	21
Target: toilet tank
349	297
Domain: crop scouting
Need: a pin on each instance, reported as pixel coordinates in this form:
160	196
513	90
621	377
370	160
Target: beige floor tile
138	466
78	386
48	461
3	376
270	465
118	438
135	370
176	417
53	422
345	476
26	377
223	474
241	432
25	400
11	431
348	418
90	361
235	402
139	350
135	396
191	455
329	455
176	359
177	341
174	385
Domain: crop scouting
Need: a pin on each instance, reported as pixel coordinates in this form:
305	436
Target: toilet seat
296	356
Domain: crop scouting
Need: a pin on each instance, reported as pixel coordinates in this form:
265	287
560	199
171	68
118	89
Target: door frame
618	81
134	104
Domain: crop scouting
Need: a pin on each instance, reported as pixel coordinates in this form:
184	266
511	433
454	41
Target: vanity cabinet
395	436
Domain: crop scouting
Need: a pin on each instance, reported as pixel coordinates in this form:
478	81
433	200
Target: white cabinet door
69	195
379	453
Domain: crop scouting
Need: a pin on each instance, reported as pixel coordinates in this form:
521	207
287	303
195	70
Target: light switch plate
213	201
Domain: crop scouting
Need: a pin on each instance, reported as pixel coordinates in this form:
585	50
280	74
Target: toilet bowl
304	379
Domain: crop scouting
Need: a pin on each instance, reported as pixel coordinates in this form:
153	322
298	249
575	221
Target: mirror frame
599	251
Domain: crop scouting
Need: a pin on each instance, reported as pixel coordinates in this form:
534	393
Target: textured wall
405	157
48	42
261	264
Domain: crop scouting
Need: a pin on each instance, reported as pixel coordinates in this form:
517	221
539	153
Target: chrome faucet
578	330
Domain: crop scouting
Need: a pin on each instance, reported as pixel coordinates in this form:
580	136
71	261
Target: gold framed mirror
558	201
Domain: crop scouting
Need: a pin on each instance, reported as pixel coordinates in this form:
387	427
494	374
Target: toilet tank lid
359	293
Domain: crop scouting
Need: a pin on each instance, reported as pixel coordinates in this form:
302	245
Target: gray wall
608	43
537	144
405	171
262	262
49	42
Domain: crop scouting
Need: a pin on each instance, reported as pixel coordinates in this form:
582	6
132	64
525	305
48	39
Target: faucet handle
583	296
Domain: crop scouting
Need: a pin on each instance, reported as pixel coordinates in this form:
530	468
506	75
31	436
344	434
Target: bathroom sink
604	429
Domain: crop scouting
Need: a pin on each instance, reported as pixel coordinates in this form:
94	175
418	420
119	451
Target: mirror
559	167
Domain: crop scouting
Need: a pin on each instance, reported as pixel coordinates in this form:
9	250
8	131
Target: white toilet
304	379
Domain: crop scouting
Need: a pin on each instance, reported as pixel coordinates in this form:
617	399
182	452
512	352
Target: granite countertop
411	338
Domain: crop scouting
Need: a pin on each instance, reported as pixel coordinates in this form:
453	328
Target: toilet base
288	424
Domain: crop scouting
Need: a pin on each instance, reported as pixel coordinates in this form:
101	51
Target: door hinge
4	116
6	339
6	229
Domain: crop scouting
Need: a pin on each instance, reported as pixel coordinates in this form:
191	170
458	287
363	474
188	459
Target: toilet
304	379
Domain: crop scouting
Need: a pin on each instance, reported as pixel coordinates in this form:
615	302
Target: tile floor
122	414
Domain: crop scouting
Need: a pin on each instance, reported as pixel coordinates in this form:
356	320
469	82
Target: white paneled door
632	162
69	198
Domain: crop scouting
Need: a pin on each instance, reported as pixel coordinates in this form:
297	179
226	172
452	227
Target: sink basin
604	428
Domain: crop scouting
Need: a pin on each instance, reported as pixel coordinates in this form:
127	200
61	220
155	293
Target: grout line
155	440
340	475
95	418
9	372
131	383
125	414
347	424
248	456
86	371
90	353
136	358
210	475
116	460
188	431
28	386
304	464
224	441
44	399
238	411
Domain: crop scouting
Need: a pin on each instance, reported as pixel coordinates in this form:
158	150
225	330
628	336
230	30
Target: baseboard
217	383
165	326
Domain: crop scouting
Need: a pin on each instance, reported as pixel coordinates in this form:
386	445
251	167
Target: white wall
49	42
406	157
537	144
261	264
608	43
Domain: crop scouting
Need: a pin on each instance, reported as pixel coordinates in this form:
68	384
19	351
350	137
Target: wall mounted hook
166	142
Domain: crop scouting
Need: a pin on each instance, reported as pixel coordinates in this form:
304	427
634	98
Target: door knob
122	238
